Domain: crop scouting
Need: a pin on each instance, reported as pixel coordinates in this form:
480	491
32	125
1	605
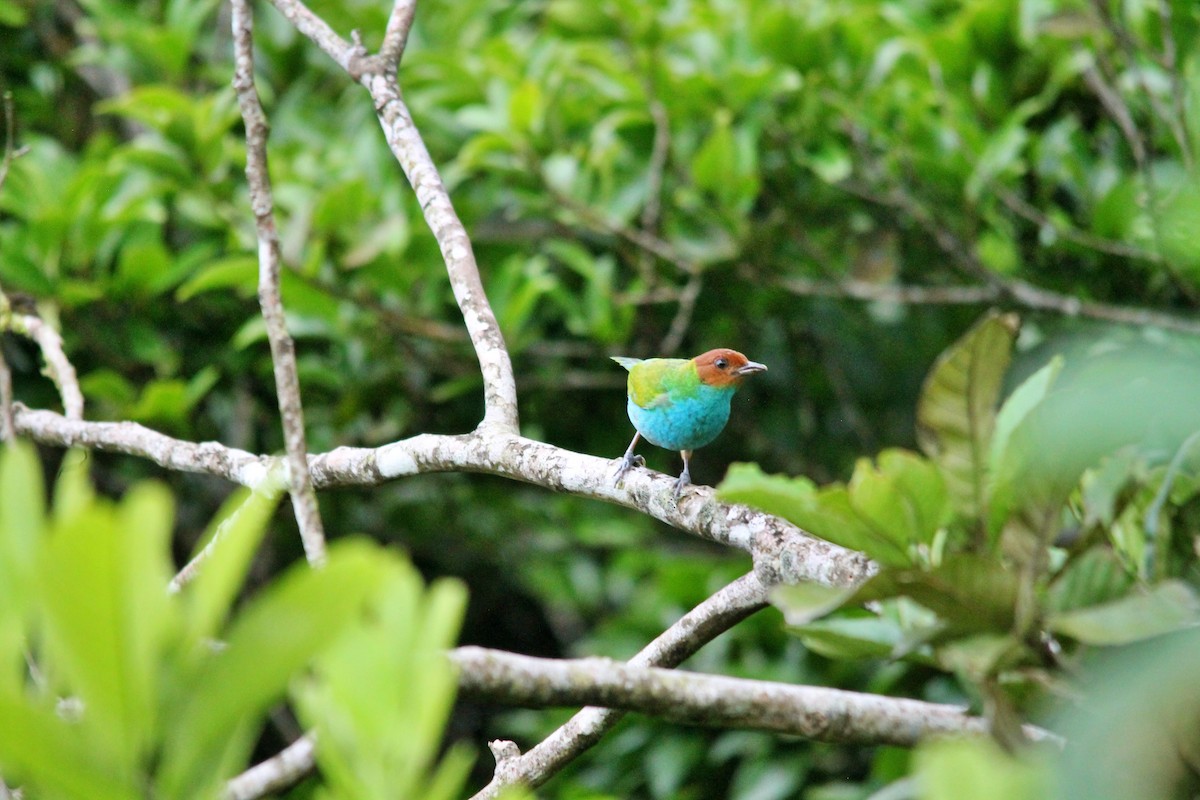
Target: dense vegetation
838	188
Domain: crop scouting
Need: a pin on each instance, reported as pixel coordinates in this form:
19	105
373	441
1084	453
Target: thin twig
7	430
499	383
683	315
395	37
283	348
1178	90
58	366
813	712
1018	293
278	772
705	622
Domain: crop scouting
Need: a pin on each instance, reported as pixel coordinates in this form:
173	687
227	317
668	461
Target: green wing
652	382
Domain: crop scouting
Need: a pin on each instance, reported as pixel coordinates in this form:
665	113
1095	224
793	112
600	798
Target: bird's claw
625	464
680	482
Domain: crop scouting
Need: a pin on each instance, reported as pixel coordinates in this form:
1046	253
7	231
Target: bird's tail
627	363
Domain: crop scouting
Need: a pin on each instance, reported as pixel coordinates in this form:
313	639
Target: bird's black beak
750	367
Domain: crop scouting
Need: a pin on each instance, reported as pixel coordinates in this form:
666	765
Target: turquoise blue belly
685	424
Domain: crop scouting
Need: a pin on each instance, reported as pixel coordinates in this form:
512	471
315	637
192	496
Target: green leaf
978	768
1016	408
1097	576
904	499
1000	156
239	273
39	748
1167	607
279	632
823	512
380	698
232	540
970	592
956	413
101	580
851	637
1178	221
801	603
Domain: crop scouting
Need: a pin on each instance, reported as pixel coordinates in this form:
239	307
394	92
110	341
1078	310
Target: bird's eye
721	363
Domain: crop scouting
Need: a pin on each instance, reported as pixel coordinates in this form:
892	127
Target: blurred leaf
239	526
851	637
278	633
801	603
956	413
951	769
1095	577
239	273
1167	607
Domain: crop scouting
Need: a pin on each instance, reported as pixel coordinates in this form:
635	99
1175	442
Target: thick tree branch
782	552
698	627
283	348
814	712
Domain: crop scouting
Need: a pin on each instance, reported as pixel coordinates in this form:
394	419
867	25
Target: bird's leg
685	477
629	460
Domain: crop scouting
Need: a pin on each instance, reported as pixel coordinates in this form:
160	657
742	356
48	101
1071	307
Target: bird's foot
683	480
626	463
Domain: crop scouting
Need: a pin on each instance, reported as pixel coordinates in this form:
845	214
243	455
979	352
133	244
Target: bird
681	403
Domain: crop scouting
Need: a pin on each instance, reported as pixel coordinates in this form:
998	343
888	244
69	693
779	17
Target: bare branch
210	458
58	366
699	626
814	712
1018	293
500	386
782	552
278	772
395	38
7	429
1021	207
283	348
683	315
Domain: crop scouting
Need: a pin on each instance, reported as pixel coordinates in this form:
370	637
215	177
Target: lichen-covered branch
814	712
692	631
782	552
283	348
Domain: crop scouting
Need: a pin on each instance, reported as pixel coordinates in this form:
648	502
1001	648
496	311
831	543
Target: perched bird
681	404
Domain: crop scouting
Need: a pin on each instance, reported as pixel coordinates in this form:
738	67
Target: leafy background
638	179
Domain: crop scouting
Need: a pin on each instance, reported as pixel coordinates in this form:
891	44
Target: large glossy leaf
956	413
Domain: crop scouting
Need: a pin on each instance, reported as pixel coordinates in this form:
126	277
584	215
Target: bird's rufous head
725	367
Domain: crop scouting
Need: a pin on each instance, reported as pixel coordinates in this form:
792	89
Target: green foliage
1022	469
822	140
130	691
